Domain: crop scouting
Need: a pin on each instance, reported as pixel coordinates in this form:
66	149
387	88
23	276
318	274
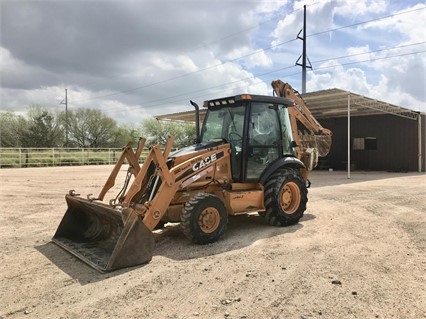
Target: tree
42	129
157	132
11	126
123	135
90	128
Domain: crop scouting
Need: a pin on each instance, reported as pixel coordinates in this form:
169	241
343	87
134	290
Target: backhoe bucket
321	142
100	236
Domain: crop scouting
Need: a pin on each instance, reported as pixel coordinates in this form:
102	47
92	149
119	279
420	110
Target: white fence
37	157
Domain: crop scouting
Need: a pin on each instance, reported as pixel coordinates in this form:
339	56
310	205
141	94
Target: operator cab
257	128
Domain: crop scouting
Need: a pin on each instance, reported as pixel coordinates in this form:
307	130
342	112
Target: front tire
204	218
286	196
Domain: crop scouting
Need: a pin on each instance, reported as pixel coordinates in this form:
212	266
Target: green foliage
11	125
123	135
157	132
90	128
42	129
87	128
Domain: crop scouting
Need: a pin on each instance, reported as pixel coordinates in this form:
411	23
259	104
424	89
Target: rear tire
286	196
204	218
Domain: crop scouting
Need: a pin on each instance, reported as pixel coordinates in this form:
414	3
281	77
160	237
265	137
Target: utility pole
304	55
66	117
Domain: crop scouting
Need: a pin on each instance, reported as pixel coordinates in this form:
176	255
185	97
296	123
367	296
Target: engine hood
197	147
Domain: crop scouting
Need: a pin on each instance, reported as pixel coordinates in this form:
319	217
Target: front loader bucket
97	234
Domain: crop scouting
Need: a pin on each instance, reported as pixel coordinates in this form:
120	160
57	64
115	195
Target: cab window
264	138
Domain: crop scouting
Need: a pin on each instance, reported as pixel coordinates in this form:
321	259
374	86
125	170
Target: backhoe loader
252	154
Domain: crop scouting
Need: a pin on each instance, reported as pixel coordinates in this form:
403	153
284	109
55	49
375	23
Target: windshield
225	123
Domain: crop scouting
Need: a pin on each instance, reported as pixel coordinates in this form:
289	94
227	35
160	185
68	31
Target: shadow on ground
242	231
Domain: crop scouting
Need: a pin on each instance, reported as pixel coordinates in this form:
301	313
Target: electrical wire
256	52
157	102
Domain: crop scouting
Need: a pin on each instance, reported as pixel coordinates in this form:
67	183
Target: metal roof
331	103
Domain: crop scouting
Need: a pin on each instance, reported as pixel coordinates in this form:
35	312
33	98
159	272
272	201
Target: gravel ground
358	252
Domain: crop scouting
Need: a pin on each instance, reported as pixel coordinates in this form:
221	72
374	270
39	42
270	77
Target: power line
213	66
364	22
65	101
253	53
155	102
371	60
193	72
369	52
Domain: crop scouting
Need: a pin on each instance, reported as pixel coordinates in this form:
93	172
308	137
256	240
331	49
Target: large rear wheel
204	218
286	196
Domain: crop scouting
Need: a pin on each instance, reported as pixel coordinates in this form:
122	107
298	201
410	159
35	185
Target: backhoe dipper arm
314	143
300	111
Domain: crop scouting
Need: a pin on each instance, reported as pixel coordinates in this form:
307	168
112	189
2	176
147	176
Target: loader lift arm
170	181
120	234
133	160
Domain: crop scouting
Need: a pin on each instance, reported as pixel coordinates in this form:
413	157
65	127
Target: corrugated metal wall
396	143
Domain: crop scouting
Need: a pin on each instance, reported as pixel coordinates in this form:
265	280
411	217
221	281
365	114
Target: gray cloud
144	58
95	36
110	46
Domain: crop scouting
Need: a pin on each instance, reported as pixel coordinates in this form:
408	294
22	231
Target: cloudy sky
140	58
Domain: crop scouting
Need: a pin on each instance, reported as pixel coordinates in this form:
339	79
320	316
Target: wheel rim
209	220
290	198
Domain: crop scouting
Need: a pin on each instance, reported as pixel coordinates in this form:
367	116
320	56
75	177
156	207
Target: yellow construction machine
253	154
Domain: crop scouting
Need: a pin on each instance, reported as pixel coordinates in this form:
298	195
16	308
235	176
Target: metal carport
337	103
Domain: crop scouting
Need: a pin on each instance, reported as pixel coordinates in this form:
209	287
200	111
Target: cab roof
230	100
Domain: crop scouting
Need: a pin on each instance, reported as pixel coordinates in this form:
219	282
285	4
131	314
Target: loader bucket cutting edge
96	233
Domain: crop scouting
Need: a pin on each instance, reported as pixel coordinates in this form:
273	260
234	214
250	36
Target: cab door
264	138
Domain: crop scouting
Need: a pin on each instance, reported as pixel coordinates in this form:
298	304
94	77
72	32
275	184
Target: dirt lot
359	252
